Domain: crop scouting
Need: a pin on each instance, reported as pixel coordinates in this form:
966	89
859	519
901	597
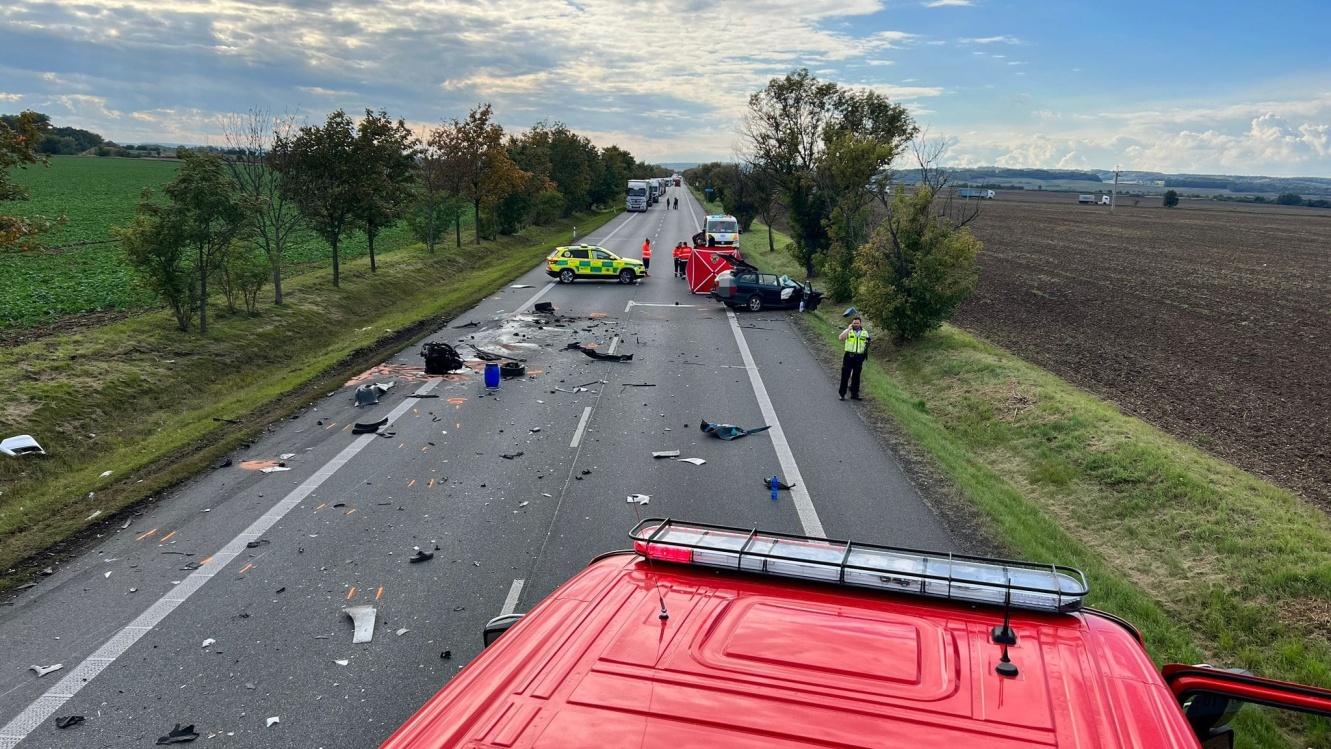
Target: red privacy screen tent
705	263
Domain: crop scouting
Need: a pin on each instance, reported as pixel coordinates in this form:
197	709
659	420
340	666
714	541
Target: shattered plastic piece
95	514
108	574
273	720
256	544
514	455
781	485
105	474
209	641
367	395
666	454
639	499
597	355
447	654
544	307
402	631
69	721
521	286
363	619
286	456
523	504
179	735
44	670
368	428
341	663
850	311
728	431
23	444
274	469
694	461
421	556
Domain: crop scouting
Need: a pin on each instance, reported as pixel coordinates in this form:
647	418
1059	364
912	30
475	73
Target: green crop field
81	268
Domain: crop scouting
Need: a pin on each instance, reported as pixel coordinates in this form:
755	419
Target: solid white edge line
511	601
798	491
582	425
621	226
45	706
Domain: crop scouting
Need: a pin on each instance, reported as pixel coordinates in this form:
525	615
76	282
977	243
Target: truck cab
710	636
638	195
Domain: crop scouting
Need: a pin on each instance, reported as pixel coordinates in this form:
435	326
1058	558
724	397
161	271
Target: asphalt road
259	566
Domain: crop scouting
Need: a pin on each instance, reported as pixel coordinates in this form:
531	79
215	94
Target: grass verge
1209	562
155	406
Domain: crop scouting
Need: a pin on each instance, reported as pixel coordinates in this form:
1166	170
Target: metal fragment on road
44	670
402	631
209	641
666	454
639	499
363	619
273	720
694	461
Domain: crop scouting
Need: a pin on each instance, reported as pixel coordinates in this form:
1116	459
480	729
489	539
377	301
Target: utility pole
1113	196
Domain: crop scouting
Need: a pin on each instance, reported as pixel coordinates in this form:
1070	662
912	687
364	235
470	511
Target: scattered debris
586	472
471	324
341	663
421	556
273	720
209	641
850	311
639	499
402	631
125	524
524	503
597	355
511	369
105	474
521	286
368	395
286	456
47	572
95	514
781	485
517	454
107	575
423	395
44	670
447	654
226	462
179	735
544	307
440	358
666	454
69	721
639	385
226	421
728	431
274	469
370	427
256	543
694	461
363	619
484	355
280	590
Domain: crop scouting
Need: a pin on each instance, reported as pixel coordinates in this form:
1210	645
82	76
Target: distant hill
679	166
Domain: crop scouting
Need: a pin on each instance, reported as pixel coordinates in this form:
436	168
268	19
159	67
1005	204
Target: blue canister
492	375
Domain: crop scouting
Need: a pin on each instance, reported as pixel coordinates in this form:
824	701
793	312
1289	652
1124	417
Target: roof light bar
952	577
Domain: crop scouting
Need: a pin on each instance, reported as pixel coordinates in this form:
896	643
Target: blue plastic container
492	375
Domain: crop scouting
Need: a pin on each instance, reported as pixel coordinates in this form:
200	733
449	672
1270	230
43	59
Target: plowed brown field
1213	324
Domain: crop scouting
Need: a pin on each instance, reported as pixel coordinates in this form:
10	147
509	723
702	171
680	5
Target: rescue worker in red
646	256
682	252
856	339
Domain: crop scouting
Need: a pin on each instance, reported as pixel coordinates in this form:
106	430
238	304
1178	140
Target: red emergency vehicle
707	636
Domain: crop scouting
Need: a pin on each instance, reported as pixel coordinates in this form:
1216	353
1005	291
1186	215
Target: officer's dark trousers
851	364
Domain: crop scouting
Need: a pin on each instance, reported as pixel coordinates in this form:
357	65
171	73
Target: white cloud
993	40
10	97
948	3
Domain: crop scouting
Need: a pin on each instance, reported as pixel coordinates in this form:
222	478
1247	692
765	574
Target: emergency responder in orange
856	339
681	258
646	256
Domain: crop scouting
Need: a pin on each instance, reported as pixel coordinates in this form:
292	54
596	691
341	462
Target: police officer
856	339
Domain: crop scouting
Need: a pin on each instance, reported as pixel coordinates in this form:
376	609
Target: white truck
639	195
1086	199
972	192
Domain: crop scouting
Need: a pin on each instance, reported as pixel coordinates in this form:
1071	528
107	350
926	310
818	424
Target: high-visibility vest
683	252
856	343
646	250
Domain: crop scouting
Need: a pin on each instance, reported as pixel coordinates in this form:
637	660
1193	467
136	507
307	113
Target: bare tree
249	140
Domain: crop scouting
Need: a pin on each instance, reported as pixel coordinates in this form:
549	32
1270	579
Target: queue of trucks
641	194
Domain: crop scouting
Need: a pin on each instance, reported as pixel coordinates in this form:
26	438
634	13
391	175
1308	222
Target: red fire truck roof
745	661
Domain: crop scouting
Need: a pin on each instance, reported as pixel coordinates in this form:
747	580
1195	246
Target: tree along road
221	606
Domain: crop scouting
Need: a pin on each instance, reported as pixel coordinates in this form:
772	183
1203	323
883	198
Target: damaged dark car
743	285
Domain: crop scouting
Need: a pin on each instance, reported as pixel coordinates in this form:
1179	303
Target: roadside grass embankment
155	406
1210	563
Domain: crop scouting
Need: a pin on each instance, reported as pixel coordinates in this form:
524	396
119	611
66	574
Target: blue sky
1191	86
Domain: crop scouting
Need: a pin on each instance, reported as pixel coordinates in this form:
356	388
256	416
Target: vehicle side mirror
498	626
1211	697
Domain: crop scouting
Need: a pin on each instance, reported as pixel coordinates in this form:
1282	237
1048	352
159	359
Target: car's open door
1211	697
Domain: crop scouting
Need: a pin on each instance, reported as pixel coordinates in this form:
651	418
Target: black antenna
641	499
1003	635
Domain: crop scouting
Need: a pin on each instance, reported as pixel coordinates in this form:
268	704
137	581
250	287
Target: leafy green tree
1171	199
319	173
250	162
386	173
241	272
917	268
480	163
207	214
162	262
848	165
1289	198
787	130
550	205
20	139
